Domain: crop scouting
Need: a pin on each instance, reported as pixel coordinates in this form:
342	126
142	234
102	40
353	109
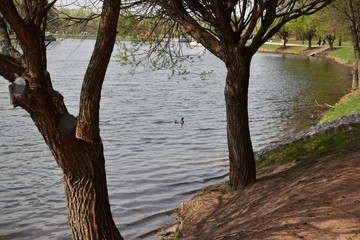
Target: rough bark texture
86	193
241	156
75	142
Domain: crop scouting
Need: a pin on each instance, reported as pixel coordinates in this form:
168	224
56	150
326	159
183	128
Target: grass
313	147
321	144
270	47
295	49
349	104
280	48
345	54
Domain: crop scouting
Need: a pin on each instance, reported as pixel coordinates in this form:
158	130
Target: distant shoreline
303	50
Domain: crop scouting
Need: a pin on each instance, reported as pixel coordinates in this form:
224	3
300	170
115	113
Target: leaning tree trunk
241	156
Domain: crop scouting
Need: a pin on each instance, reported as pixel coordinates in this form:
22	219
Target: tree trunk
340	41
331	40
241	156
309	42
84	176
87	197
356	72
355	39
82	164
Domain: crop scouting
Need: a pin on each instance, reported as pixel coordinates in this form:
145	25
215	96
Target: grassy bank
313	147
341	54
349	104
319	145
272	48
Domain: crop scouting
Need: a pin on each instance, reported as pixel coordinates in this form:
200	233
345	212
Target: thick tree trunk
87	197
241	156
82	164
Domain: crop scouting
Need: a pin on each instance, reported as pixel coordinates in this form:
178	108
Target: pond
152	164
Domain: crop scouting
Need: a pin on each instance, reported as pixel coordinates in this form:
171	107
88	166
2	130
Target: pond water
152	164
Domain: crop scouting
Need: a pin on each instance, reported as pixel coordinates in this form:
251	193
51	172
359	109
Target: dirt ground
316	199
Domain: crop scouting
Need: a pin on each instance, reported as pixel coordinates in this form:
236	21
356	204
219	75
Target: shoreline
314	51
175	229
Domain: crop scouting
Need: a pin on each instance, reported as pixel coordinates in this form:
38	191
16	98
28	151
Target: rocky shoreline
340	124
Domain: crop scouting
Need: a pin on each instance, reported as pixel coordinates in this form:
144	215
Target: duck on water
181	121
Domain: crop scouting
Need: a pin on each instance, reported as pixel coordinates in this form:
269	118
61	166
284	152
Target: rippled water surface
152	164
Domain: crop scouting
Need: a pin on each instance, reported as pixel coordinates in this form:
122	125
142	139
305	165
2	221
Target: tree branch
10	67
88	121
5	42
27	32
192	26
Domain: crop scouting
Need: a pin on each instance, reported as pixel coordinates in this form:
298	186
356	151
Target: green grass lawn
295	49
312	147
347	105
270	47
321	144
345	54
314	41
273	48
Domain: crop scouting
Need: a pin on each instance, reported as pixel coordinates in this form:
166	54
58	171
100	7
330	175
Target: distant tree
307	26
224	28
284	33
332	25
75	142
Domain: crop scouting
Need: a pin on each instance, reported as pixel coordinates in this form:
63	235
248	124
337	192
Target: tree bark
355	39
86	193
356	71
241	156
